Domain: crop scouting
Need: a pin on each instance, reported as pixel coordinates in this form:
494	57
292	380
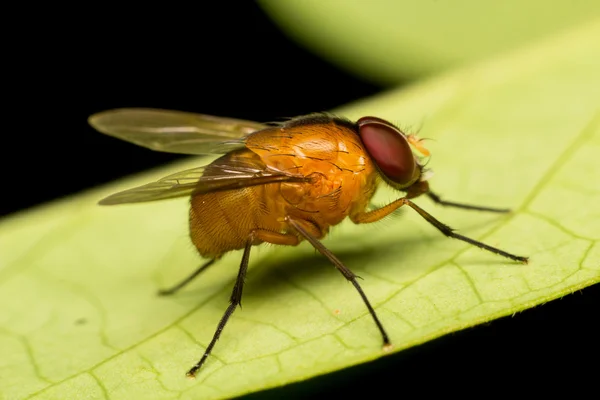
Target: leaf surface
80	319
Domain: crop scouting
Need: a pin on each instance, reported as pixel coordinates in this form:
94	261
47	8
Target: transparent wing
174	131
180	184
226	175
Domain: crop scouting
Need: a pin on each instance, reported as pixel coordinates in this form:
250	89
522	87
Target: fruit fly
278	183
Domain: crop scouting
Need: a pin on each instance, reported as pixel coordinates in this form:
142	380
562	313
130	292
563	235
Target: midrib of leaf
585	135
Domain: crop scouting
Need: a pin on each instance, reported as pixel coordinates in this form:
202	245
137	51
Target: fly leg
437	199
304	229
235	300
175	288
376	215
261	234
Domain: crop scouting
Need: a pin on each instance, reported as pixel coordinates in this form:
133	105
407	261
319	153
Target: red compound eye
389	148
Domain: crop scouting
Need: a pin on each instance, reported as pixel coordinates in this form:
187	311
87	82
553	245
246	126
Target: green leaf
389	41
80	318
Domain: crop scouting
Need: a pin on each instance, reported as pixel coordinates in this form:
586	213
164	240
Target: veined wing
174	131
225	175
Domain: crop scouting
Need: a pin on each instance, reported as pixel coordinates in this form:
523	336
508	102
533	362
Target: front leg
365	217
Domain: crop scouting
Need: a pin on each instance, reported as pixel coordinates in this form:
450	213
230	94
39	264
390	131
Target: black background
229	59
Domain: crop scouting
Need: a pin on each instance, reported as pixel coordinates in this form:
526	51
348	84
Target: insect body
278	184
333	182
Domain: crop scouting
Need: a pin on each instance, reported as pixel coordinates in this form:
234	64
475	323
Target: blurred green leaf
390	41
80	318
